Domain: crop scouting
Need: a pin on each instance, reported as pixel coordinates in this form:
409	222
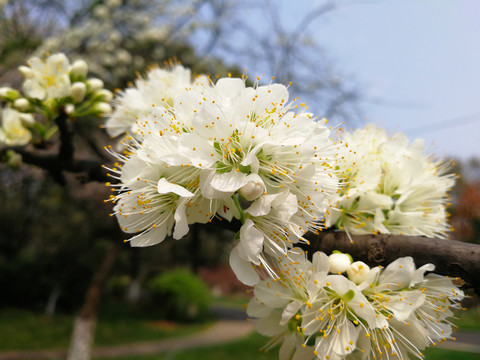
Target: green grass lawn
25	330
249	349
469	320
118	324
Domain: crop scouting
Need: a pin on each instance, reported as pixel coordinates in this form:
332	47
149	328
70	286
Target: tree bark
84	327
450	257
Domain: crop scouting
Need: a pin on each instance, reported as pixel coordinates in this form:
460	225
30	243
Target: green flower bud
8	94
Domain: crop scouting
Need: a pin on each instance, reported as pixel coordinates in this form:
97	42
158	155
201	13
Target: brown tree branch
450	257
87	169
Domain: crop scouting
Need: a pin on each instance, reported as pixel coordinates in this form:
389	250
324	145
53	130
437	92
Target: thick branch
450	257
90	169
67	149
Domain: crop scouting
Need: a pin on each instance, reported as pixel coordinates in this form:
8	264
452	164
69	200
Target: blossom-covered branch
451	258
193	151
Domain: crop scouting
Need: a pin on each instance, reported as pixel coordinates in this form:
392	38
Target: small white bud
103	95
4	91
94	84
27	119
102	108
339	262
21	104
252	190
26	72
79	69
69	109
9	94
358	272
78	91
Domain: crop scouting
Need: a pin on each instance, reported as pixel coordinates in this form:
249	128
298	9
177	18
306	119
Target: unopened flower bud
102	108
103	95
339	262
79	69
27	119
69	109
94	84
26	72
21	104
358	272
78	91
9	94
252	190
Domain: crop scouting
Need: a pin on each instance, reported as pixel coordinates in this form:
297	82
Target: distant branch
88	170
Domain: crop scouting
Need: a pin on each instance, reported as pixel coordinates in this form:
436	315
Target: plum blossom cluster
159	88
194	150
389	186
51	86
225	150
119	38
331	308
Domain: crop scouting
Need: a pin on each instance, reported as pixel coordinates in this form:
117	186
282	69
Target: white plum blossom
12	129
277	303
47	79
249	148
158	88
358	272
389	186
396	312
156	200
415	308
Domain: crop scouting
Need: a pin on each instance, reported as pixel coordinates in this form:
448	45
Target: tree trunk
52	300
134	291
82	339
83	332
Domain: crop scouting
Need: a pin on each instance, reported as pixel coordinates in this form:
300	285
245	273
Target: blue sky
418	63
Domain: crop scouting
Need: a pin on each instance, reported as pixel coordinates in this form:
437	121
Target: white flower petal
251	242
151	237
181	224
229	182
243	269
165	187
